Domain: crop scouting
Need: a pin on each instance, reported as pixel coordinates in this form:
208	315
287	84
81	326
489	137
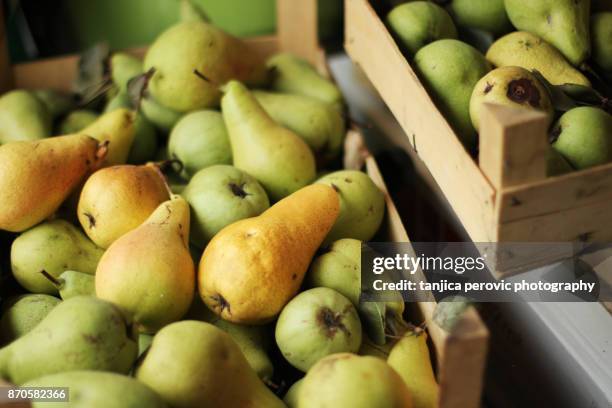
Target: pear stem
56	282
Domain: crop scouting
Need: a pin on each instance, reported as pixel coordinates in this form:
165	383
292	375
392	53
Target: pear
291	397
526	50
556	164
410	358
163	118
95	389
81	333
117	199
319	124
56	102
221	195
362	205
22	313
37	176
124	67
419	23
23	117
450	69
348	380
76	121
73	283
601	37
54	247
269	255
195	364
584	137
199	139
291	74
117	128
144	145
514	87
189	58
148	272
562	23
279	159
316	323
487	15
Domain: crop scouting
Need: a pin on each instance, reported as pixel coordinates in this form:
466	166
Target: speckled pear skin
37	176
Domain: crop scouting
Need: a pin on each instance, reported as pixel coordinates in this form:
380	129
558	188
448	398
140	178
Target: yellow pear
116	127
117	199
348	380
193	364
527	50
37	176
410	358
148	272
252	268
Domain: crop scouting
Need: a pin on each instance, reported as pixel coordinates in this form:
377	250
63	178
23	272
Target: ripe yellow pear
410	358
116	127
117	199
148	272
37	176
252	268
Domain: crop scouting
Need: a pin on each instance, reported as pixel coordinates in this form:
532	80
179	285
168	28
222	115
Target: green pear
279	159
189	11
601	40
294	75
23	117
144	146
319	124
73	283
348	380
487	15
450	69
514	87
57	103
124	67
562	23
419	23
144	342
340	269
81	333
199	139
95	389
362	205
53	246
221	195
22	313
76	121
526	50
291	397
148	272
192	58
316	323
584	137
195	364
161	117
556	164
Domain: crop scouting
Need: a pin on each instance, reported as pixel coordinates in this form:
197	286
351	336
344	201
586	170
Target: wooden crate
505	196
460	355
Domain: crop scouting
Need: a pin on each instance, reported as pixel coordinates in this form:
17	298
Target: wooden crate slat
5	67
370	45
300	39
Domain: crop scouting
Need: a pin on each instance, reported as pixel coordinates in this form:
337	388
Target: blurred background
45	28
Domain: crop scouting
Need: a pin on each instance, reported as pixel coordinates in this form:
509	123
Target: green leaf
92	79
560	100
137	87
450	310
373	320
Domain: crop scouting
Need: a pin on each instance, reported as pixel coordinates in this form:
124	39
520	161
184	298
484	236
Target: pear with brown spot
252	268
148	272
37	176
514	87
117	199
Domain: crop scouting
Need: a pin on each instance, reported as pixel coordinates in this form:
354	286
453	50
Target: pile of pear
199	246
520	54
